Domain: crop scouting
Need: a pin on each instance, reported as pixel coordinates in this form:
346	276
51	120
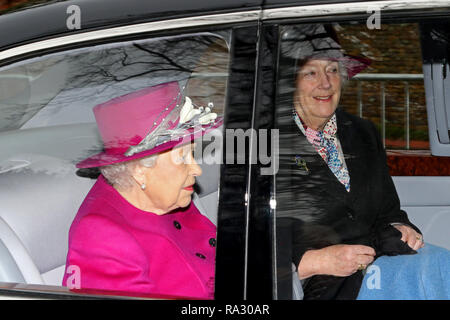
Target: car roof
49	18
36	19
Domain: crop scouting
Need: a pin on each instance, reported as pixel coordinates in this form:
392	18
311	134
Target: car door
395	92
48	89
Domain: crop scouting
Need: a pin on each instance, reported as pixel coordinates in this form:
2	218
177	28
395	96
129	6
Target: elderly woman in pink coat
137	231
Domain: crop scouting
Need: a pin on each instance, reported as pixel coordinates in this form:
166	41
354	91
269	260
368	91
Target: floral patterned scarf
327	145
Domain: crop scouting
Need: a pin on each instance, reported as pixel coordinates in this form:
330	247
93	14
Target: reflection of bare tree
172	59
146	62
97	74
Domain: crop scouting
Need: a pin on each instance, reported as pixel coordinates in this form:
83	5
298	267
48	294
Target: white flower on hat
189	117
207	118
188	113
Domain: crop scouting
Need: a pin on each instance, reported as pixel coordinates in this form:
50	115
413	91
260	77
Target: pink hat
147	122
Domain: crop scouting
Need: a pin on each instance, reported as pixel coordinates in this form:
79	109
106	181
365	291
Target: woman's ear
138	174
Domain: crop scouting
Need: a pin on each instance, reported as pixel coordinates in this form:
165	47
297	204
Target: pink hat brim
355	65
103	159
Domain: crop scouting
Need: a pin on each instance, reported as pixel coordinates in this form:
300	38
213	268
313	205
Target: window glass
390	92
375	75
47	126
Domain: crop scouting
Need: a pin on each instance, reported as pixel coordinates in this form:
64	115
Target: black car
58	59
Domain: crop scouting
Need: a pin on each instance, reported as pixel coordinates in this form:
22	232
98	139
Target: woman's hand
410	236
339	260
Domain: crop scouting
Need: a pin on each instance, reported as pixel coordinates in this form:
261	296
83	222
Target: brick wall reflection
395	48
404	163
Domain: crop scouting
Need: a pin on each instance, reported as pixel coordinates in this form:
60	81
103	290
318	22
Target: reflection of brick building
8	4
395	48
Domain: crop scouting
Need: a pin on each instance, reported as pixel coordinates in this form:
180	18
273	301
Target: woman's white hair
119	174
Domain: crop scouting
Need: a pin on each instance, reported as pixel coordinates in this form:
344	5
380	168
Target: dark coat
316	211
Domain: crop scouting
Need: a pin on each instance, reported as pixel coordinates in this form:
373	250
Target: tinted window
47	126
390	93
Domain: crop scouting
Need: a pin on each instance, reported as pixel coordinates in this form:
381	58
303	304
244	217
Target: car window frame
252	217
237	213
263	212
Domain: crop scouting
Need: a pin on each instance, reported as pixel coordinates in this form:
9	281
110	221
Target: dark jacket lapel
317	166
354	150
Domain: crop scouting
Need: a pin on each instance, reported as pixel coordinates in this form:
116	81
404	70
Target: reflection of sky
64	109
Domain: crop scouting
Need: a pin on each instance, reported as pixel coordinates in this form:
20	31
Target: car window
390	91
47	126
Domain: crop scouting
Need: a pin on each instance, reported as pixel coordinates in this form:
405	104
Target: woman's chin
327	110
185	202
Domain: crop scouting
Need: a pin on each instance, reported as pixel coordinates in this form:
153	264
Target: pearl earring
143	186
